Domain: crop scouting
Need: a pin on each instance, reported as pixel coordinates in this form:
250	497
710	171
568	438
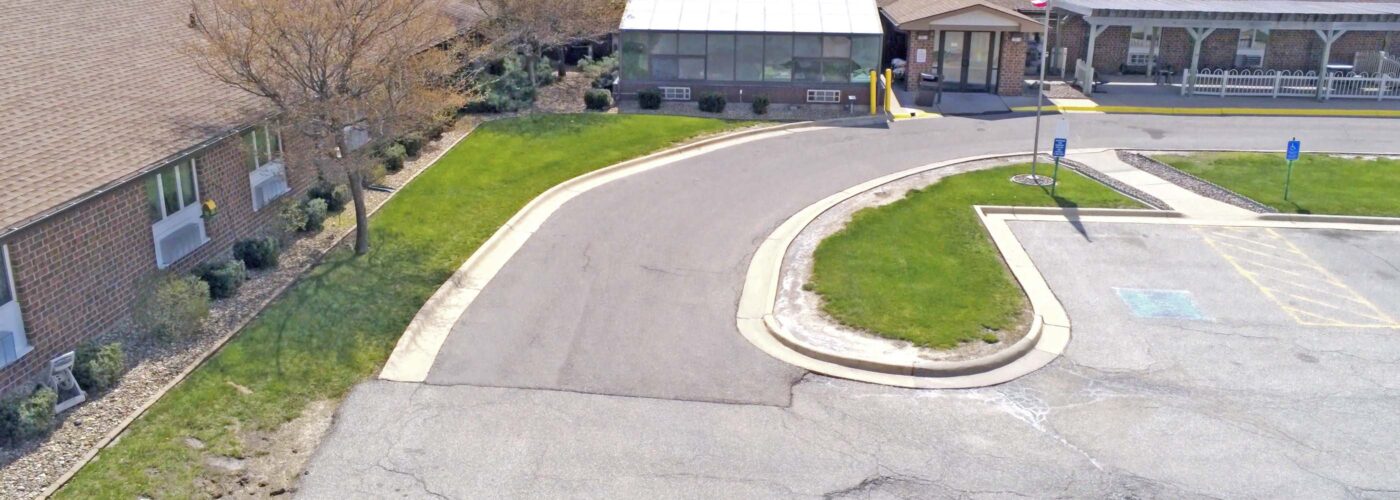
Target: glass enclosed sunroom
791	51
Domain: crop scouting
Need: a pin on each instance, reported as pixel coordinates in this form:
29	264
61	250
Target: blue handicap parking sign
1294	149
1060	146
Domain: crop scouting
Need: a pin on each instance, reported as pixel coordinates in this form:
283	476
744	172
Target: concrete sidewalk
1179	198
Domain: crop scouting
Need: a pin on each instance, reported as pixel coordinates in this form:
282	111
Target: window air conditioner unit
62	381
9	352
180	242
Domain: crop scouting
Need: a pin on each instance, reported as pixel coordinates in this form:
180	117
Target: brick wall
77	273
929	43
1012	67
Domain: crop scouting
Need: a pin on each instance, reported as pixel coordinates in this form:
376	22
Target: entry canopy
967	15
755	16
1277	14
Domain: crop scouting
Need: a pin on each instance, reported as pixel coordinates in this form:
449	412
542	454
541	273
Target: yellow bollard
873	83
889	89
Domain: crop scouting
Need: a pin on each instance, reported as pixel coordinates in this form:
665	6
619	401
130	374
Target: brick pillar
929	43
1012	66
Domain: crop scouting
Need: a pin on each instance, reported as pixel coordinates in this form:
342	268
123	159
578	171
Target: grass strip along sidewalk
923	269
1322	184
338	325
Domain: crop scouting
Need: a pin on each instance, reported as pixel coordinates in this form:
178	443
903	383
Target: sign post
1294	150
1061	144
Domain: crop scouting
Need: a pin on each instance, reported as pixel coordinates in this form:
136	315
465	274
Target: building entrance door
965	61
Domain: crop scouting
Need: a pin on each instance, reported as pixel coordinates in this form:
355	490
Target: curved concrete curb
1047	338
414	354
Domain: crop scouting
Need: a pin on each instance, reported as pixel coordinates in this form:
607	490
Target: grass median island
1321	184
338	325
923	269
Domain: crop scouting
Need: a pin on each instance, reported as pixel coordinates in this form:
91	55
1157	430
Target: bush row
26	416
709	102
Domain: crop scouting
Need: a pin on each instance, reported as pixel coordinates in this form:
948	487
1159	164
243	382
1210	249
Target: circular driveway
603	360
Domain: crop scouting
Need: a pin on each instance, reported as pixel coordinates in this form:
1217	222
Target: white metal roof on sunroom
759	16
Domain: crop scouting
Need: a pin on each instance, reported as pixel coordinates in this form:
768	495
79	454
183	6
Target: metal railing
1271	83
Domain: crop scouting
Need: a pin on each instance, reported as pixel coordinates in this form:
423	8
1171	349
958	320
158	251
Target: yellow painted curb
1161	110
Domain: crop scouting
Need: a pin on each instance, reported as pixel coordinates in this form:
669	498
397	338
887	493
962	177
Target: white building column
1329	36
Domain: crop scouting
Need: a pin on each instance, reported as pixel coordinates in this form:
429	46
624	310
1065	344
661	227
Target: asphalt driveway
603	361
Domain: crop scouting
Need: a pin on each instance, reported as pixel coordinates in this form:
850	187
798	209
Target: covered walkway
1271	35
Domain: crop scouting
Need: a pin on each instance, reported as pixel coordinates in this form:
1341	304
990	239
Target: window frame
171	222
11	313
815	96
274	168
661	60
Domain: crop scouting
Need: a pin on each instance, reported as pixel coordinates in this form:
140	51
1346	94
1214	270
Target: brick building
115	140
970	45
1144	36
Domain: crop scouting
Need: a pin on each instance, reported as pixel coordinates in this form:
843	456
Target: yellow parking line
1312	289
1280	296
1247	240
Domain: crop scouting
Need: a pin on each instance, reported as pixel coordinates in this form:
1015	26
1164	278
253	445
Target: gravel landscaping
1191	183
154	365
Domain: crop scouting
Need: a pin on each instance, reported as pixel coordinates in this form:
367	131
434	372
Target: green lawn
1321	184
336	327
923	269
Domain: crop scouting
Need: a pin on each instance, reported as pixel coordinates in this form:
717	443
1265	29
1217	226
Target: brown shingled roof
95	92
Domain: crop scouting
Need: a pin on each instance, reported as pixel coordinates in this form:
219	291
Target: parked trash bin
930	90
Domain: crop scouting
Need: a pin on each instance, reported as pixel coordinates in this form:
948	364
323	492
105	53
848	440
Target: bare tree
530	27
341	73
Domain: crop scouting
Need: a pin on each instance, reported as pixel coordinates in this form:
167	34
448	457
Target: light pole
1040	90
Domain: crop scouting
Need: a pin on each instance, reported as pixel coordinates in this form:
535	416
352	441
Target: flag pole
1040	90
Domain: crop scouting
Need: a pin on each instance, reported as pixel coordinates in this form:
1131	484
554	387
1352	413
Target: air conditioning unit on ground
62	381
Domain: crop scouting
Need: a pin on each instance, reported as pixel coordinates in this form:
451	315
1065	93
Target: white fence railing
1377	62
1269	83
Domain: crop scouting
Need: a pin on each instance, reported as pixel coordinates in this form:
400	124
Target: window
692	68
663	43
824	96
1140	46
675	93
1250	51
748	59
865	57
807	46
172	195
777	58
13	343
807	70
267	175
719	64
692	44
634	56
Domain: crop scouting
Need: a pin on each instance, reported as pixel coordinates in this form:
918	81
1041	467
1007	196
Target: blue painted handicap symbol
1160	304
1295	148
1060	146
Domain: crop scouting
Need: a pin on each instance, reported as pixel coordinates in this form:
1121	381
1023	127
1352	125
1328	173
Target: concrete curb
1222	111
416	350
112	436
1046	339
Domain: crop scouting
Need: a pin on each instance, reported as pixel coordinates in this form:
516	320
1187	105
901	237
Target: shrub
224	278
712	102
29	416
393	155
649	99
597	99
375	175
336	195
99	367
293	217
507	87
315	209
412	143
258	253
599	71
760	105
172	306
